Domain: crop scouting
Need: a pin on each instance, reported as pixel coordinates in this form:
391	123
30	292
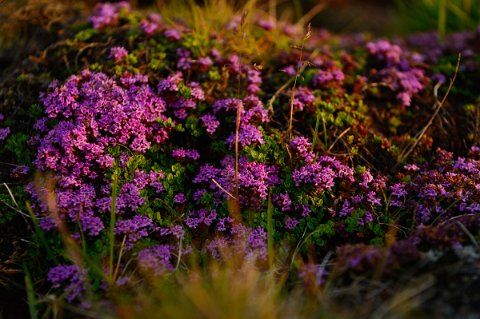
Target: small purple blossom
179	198
247	135
266	24
290	223
172	34
227	104
170	84
184	61
181	153
71	278
133	229
107	14
302	148
254	179
254	80
4	132
385	51
202	216
149	27
210	123
204	63
289	70
19	171
322	173
324	77
118	53
303	97
284	201
156	259
398	190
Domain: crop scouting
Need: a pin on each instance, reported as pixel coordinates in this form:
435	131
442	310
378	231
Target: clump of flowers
303	148
93	113
398	71
441	190
322	173
254	179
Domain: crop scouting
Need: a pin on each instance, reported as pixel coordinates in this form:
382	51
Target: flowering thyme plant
146	146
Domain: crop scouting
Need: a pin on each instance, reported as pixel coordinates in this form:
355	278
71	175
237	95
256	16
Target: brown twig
277	93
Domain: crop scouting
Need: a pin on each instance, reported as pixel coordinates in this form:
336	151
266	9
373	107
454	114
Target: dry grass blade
286	84
338	138
322	5
224	190
439	104
299	70
469	234
405	301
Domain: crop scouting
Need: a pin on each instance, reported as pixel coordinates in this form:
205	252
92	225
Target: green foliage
17	144
442	15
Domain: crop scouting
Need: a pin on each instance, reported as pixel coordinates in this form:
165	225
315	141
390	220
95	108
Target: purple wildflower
170	84
179	198
266	24
172	34
254	179
290	223
156	259
303	97
254	80
210	123
133	229
313	274
289	70
324	77
302	148
118	53
4	132
227	105
322	173
385	51
398	190
107	14
284	202
202	216
70	277
247	135
184	61
149	27
181	153
204	63
19	171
